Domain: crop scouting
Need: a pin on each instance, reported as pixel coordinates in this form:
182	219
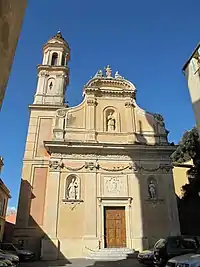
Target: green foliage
188	147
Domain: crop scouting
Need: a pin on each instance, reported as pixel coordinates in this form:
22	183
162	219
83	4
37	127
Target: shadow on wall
28	234
189	212
158	210
8	232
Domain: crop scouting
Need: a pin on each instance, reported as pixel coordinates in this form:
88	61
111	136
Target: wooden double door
114	227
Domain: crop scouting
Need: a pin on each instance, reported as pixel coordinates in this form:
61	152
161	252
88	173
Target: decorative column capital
129	104
91	165
55	165
91	102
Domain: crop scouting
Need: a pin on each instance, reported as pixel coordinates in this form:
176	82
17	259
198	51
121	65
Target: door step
112	254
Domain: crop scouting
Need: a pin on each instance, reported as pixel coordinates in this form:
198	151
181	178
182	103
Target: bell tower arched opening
54	59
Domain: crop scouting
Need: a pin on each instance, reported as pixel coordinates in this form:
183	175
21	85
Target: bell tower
53	73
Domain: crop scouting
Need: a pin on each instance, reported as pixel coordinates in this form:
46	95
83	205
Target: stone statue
117	75
99	74
108	72
152	190
111	122
73	189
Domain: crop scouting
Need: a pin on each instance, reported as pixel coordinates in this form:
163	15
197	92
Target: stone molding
139	168
111	82
58	165
155	202
109	93
72	203
116	198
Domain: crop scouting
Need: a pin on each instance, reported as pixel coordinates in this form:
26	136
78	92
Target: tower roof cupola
57	41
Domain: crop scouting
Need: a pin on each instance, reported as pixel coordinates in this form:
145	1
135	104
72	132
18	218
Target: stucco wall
11	17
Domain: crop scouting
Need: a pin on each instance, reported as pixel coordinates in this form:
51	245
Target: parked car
24	255
8	263
3	264
146	257
188	260
172	246
13	258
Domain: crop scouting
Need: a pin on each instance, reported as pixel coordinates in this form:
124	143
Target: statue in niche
152	187
73	189
110	122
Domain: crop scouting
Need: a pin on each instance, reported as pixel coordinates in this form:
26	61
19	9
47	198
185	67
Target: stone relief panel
115	185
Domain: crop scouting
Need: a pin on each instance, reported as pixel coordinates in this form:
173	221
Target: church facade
95	175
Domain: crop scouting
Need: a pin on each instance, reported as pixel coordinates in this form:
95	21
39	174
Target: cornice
57	146
41	67
44	107
104	81
116	92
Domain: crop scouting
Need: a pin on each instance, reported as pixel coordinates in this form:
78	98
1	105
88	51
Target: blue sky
148	42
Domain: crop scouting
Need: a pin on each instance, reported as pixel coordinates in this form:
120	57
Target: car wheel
160	262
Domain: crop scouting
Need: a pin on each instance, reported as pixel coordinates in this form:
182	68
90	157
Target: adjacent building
180	176
10	221
96	175
11	17
4	197
191	70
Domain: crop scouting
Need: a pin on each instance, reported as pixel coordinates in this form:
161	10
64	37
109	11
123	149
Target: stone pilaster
130	127
91	114
90	235
50	243
172	205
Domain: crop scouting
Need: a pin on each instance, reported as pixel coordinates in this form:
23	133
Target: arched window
54	59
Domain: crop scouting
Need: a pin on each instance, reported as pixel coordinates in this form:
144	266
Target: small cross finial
108	71
59	34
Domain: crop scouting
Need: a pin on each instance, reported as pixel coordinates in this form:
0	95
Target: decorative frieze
90	156
105	156
91	165
166	167
96	165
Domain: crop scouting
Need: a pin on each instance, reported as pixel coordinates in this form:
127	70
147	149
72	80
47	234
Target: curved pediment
108	84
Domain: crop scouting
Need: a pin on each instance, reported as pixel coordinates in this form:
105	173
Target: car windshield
189	243
160	243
